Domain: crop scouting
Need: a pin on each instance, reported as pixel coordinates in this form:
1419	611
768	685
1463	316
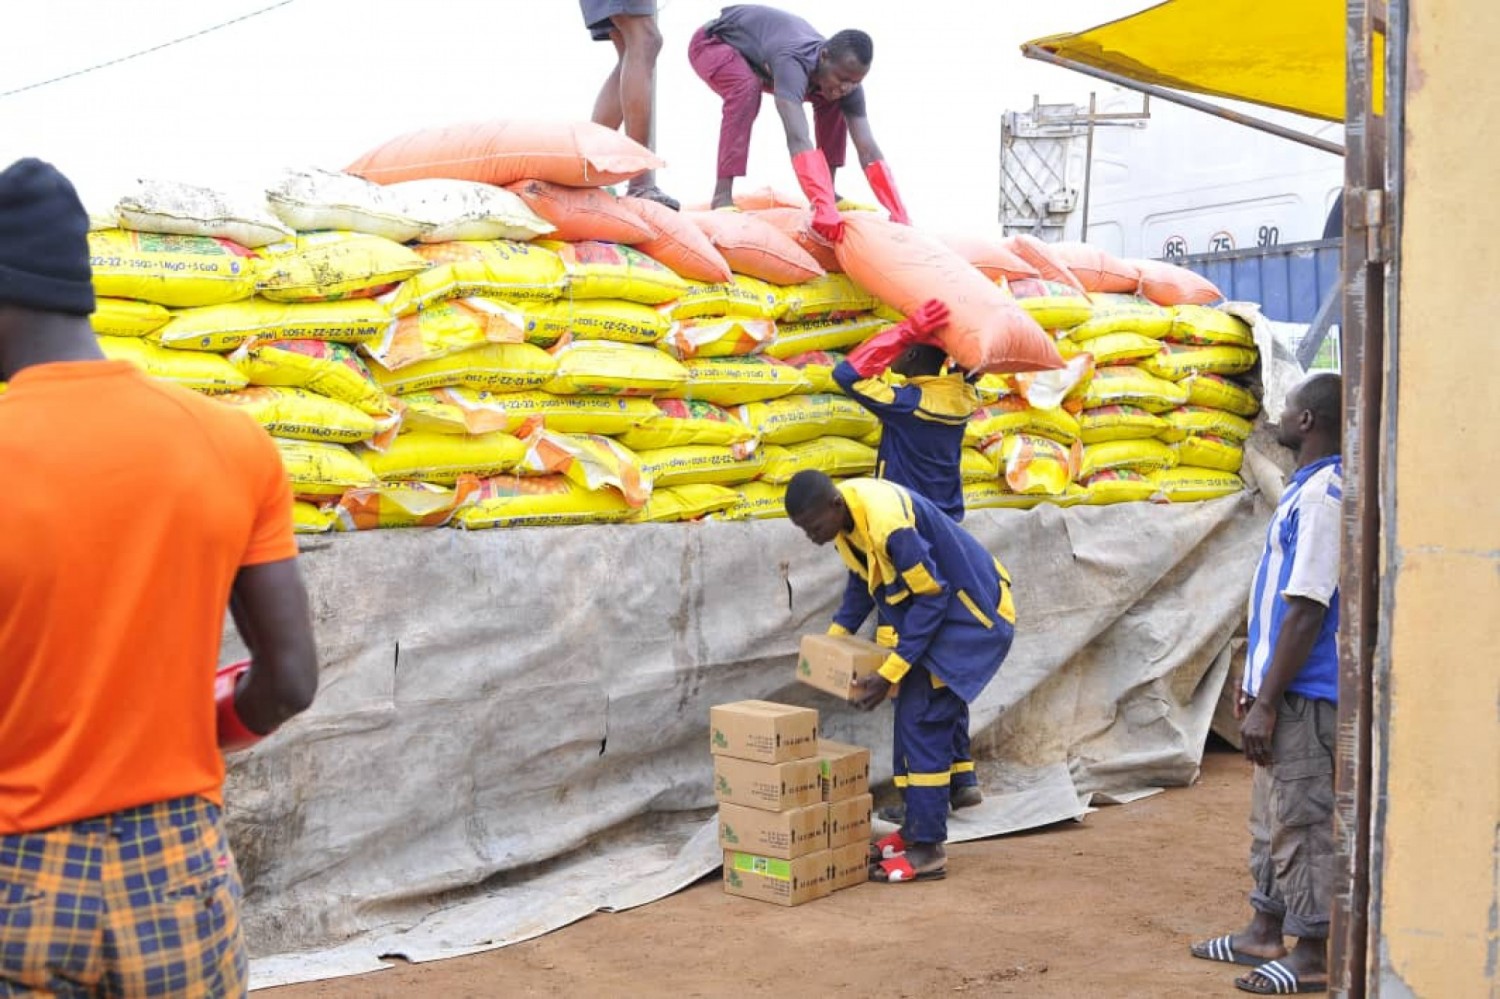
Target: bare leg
640	43
724	193
607	109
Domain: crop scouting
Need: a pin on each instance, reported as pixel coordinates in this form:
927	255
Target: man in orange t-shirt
134	512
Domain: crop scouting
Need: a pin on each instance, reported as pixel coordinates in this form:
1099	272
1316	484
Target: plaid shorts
142	902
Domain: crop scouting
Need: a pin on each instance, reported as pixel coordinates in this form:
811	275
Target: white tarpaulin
512	727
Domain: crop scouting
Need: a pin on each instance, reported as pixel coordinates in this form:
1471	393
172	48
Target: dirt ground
1105	907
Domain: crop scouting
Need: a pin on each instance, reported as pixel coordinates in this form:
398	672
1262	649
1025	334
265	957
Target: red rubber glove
234	735
817	183
884	186
880	351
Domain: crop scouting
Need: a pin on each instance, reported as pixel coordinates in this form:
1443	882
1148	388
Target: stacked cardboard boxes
792	809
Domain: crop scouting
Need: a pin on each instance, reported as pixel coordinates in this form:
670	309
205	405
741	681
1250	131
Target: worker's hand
233	733
1257	731
811	167
828	223
870	692
930	317
883	183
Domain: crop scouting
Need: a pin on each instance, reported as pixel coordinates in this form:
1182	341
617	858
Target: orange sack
994	260
578	154
796	224
755	247
1098	270
987	330
1168	284
678	243
1041	256
582	213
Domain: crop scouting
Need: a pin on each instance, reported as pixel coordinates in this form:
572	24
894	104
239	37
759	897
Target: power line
142	52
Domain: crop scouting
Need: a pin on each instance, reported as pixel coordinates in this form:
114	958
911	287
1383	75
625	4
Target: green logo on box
723	785
804	667
734	879
719	740
729	833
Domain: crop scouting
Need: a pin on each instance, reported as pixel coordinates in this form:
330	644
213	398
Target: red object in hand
883	183
817	183
234	735
880	351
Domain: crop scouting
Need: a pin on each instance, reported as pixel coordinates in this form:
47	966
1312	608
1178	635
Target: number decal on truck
1174	248
1268	235
1220	242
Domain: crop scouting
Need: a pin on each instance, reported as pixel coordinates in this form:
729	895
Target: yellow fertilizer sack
1137	455
1118	423
331	369
123	317
1124	385
992	388
727	465
225	327
994	494
496	367
593	319
745	296
309	518
1185	420
718	336
188	368
169	270
593	269
430	413
686	502
829	295
1190	485
974	466
839	334
1119	348
1208	451
323	470
327	266
587	460
1034	465
602	367
1117	485
1122	314
798	418
490	268
442	458
1207	326
757	501
607	415
733	381
404	504
539	501
441	329
1176	361
298	414
1057	308
836	457
1011	414
680	422
817	367
1218	392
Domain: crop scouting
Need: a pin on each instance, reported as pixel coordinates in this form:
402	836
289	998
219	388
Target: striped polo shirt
1301	560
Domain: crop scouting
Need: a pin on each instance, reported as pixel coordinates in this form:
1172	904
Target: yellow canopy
1286	54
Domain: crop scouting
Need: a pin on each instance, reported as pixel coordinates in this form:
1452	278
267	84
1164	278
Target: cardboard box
763	731
851	865
845	770
832	663
849	821
788	835
774	787
781	882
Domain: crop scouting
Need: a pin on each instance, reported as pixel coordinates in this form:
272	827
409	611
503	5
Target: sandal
1222	949
1275	979
887	847
898	869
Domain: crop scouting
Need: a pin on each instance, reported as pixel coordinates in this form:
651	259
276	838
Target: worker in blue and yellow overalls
922	417
948	602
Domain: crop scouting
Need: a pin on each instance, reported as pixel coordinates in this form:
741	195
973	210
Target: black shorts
598	14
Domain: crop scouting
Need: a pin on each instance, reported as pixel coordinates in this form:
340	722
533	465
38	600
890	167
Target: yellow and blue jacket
923	431
946	598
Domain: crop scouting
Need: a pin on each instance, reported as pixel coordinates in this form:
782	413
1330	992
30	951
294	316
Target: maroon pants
728	74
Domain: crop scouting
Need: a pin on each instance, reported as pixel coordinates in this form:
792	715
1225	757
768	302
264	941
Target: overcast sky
320	81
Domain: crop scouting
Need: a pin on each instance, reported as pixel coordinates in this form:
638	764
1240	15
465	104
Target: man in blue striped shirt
1289	704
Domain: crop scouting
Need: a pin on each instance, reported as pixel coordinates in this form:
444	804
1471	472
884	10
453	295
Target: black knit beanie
44	246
